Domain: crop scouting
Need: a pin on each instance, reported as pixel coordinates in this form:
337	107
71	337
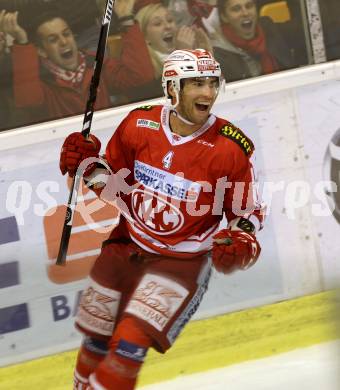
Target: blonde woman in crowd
162	36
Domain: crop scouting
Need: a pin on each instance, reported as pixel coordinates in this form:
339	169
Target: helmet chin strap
173	109
179	116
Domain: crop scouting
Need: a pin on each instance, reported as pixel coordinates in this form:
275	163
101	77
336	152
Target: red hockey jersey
182	185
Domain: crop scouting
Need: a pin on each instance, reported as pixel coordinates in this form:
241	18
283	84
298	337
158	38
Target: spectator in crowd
247	45
81	15
54	75
191	12
5	76
10	116
162	36
117	27
83	18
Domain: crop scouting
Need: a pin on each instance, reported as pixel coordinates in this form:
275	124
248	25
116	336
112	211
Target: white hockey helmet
184	64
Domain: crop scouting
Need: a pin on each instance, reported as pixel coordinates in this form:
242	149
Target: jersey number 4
167	160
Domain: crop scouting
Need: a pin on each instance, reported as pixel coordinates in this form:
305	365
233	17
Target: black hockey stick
72	200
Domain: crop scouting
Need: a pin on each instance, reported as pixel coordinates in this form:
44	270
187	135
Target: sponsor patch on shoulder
148	124
235	134
144	108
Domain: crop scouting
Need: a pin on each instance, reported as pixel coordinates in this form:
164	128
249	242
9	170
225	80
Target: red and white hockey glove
233	250
75	149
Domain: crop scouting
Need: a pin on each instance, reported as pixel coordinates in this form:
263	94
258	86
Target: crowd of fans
47	50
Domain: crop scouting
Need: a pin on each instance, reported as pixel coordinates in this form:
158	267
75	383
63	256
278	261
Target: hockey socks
119	370
91	353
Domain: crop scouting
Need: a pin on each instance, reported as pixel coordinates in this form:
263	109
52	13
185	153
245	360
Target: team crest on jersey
235	134
156	203
148	124
155	213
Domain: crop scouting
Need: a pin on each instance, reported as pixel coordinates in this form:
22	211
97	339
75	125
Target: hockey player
187	168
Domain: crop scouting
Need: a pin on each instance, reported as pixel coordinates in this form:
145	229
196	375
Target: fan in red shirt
51	74
179	170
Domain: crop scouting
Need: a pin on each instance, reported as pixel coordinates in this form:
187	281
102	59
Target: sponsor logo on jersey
97	309
166	183
148	124
235	134
156	300
97	303
205	143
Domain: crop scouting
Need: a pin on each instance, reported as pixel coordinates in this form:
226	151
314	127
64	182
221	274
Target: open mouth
168	39
66	55
247	24
203	107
